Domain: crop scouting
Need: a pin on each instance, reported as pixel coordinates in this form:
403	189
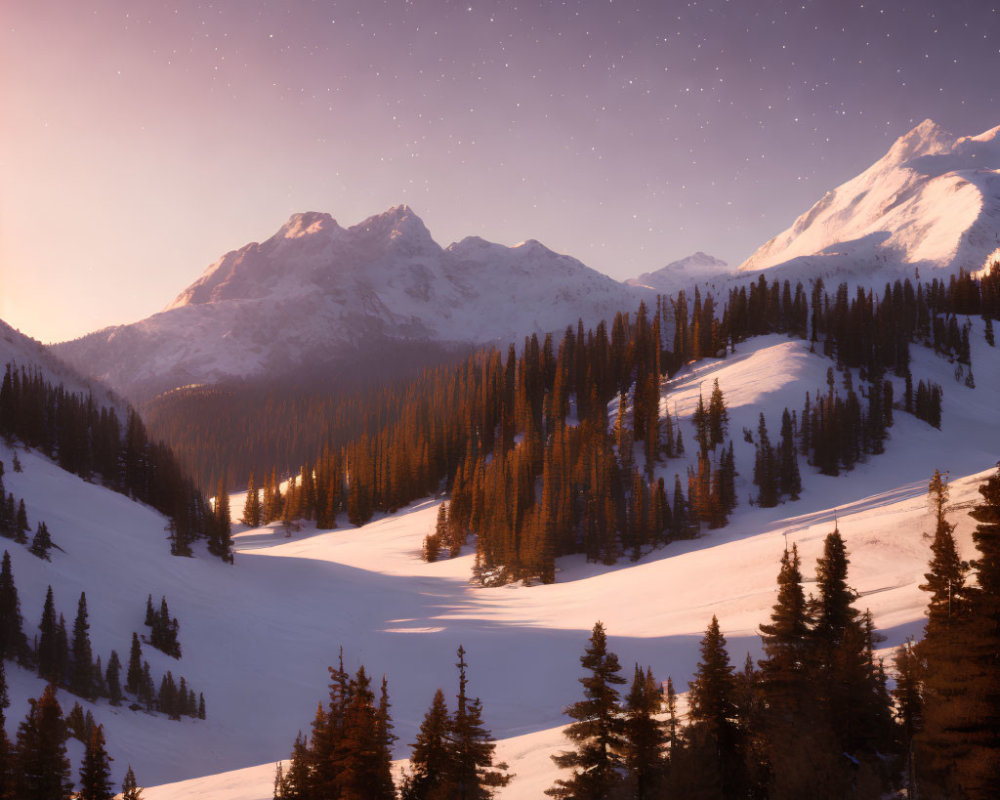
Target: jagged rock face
316	292
932	203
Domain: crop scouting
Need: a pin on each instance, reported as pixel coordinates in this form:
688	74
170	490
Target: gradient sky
142	140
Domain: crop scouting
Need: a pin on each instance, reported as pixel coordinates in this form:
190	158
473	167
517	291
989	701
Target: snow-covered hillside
316	291
19	350
258	637
698	268
931	203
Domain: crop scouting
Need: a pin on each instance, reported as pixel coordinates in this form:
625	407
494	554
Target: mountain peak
307	223
931	202
680	274
927	138
396	225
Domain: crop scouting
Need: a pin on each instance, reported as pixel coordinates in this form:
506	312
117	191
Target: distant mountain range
316	293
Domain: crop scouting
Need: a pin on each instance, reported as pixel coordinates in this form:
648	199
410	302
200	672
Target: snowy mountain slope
684	274
931	203
19	350
316	291
258	637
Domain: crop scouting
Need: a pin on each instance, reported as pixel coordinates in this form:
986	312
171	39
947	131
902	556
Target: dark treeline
63	657
91	441
814	717
523	445
348	753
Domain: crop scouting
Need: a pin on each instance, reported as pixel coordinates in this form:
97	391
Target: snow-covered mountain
315	292
932	203
683	273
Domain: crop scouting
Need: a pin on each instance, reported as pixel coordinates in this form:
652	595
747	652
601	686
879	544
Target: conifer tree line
522	443
35	764
348	753
65	659
14	521
281	427
814	716
91	441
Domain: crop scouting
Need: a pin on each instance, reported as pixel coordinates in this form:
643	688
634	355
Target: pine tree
946	579
48	655
849	684
673	721
252	506
430	758
95	772
134	681
718	416
81	681
712	711
42	769
598	730
41	542
908	695
7	754
13	643
384	740
130	789
112	679
21	526
220	540
765	475
645	738
789	479
959	752
799	748
472	746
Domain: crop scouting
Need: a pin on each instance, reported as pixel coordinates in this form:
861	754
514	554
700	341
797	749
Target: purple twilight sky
141	140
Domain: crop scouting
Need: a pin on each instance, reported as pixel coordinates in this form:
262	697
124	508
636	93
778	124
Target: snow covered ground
258	637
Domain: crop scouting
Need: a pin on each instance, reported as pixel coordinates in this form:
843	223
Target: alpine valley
377	451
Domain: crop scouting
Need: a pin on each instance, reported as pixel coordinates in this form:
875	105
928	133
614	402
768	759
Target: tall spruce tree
95	772
645	738
598	730
113	680
134	675
430	758
798	745
48	655
81	681
474	774
946	579
13	643
42	770
713	733
252	511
